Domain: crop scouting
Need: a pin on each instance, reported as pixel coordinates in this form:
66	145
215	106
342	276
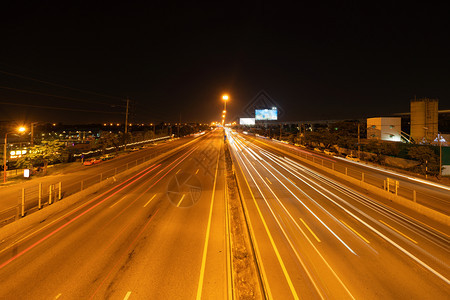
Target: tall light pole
225	99
32	132
440	154
20	129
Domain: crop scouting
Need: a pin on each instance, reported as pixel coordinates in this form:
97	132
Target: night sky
317	60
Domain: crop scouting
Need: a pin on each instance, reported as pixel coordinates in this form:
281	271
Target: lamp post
440	154
20	129
225	99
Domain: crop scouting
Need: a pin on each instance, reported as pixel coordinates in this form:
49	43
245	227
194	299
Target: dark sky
317	60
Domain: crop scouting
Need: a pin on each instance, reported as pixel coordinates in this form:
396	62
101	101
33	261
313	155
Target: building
424	120
384	128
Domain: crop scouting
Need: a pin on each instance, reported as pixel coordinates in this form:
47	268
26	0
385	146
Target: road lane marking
127	295
301	230
208	229
399	232
178	171
310	230
182	197
268	180
118	201
259	262
124	253
355	232
275	248
150	200
76	209
197	171
380	234
57	296
301	202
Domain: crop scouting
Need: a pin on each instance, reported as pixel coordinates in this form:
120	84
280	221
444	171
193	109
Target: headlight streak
381	234
400	175
296	224
383	210
281	227
421	250
304	205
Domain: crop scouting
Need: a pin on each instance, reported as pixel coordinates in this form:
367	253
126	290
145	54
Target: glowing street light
20	130
225	98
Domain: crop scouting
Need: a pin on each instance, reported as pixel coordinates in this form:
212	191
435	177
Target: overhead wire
56	96
60	108
59	85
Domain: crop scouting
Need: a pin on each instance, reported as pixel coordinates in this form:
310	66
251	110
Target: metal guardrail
386	183
37	197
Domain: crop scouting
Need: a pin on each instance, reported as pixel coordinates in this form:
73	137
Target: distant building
424	120
385	129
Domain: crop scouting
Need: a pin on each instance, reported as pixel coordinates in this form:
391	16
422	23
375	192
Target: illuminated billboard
266	114
247	121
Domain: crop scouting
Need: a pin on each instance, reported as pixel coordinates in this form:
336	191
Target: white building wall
385	129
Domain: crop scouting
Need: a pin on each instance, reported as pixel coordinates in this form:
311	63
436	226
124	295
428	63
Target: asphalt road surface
428	193
161	234
158	235
71	177
317	238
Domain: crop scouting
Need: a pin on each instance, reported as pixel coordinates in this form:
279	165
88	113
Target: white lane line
400	175
181	200
406	252
275	248
127	295
150	200
208	230
304	205
312	232
117	201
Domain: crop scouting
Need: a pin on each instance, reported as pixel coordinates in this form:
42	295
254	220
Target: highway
316	238
428	193
157	235
162	234
72	176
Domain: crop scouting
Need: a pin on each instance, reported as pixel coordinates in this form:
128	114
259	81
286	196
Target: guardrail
37	197
382	186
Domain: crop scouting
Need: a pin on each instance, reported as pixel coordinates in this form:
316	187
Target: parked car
107	157
92	161
317	150
351	157
329	152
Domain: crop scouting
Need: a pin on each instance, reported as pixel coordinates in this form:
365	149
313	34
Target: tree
109	139
48	152
427	159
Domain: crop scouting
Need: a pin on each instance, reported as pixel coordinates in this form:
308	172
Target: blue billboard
266	114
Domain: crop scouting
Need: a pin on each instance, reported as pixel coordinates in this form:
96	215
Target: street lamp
225	99
20	130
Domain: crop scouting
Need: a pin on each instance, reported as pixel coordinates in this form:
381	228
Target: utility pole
359	141
32	133
126	125
179	124
440	155
281	126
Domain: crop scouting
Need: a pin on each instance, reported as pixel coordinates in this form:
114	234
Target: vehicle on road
351	157
92	161
107	157
329	152
317	149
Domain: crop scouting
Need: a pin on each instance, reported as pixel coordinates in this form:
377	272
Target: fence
379	181
41	195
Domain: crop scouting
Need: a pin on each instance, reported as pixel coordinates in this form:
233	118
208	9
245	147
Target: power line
60	108
55	96
58	85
